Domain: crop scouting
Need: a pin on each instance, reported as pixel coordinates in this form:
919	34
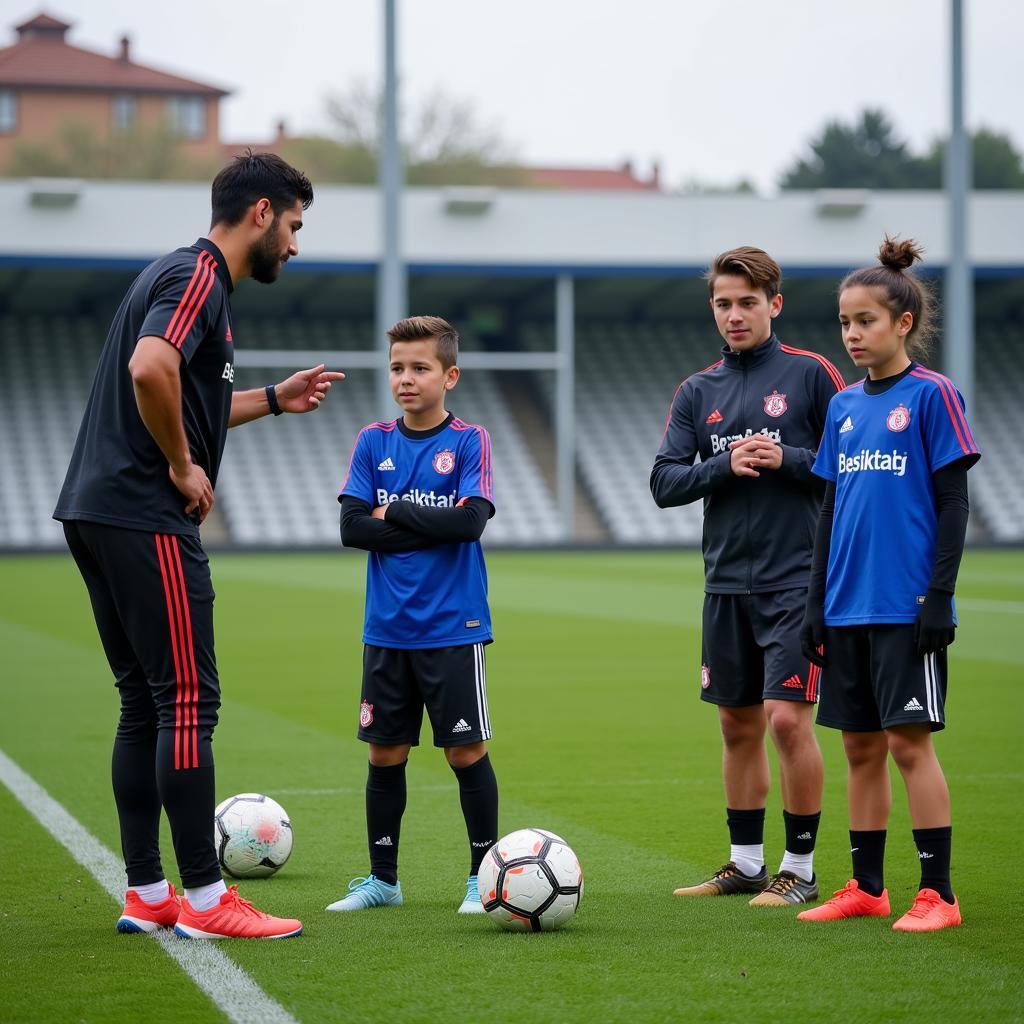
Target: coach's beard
265	257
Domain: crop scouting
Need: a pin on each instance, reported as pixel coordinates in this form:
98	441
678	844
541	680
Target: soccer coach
140	482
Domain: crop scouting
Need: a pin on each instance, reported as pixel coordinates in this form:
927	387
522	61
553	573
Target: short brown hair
900	291
418	328
760	270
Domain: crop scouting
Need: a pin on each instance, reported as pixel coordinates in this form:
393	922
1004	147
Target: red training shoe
139	916
850	901
233	918
930	913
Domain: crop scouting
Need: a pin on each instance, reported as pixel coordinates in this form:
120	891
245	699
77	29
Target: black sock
801	831
478	794
746	828
868	851
933	849
385	805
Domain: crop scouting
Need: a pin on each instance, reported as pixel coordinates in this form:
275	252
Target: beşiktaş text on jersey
758	532
437	596
881	451
118	475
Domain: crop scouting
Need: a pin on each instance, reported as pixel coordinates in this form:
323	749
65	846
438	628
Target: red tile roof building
46	84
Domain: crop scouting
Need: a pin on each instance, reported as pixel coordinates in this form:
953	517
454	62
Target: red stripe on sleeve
834	375
956	414
186	299
668	419
187	321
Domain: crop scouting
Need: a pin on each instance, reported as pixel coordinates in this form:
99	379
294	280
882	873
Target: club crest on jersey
365	715
898	419
775	404
705	677
444	461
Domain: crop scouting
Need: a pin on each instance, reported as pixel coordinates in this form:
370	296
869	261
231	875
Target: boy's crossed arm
405	526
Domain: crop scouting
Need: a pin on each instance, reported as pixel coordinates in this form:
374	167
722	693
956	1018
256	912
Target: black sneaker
787	888
728	880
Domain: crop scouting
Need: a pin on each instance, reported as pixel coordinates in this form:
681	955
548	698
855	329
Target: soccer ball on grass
253	835
530	881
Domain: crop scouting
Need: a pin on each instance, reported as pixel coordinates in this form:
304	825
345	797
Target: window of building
125	109
8	111
187	116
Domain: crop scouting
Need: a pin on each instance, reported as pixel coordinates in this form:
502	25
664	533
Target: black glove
933	627
812	633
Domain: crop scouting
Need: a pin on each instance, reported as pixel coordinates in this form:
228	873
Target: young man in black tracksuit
755	417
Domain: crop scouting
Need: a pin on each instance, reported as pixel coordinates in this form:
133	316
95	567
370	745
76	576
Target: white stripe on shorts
480	668
929	687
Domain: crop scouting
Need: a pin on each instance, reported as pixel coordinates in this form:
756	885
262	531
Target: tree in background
443	143
869	154
866	154
77	152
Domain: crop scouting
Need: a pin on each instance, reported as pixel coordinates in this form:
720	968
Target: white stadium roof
55	221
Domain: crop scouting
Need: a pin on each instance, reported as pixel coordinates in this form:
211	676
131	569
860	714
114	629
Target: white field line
231	989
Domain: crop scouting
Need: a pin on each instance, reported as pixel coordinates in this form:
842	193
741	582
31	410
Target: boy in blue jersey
417	497
895	455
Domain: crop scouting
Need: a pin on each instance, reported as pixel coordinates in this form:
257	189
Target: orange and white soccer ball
530	880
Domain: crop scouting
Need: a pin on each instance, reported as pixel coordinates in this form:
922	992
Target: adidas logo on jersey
847	425
715	417
913	705
461	726
386	464
384	841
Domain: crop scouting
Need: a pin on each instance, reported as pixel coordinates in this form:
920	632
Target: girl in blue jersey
880	615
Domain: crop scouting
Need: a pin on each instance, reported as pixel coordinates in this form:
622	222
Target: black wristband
272	400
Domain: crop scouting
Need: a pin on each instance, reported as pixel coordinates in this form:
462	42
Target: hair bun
899	255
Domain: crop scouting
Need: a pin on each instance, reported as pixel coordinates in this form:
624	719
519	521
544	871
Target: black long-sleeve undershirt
410	527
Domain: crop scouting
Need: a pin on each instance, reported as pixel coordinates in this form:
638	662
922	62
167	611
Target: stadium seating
280	478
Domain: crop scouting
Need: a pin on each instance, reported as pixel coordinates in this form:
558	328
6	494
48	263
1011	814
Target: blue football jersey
437	596
881	451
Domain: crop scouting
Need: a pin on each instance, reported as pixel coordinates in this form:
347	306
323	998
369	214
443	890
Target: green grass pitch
599	735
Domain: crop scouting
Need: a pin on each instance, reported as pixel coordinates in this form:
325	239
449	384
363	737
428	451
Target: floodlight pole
391	279
958	341
565	412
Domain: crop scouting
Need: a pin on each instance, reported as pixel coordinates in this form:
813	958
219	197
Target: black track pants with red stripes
152	598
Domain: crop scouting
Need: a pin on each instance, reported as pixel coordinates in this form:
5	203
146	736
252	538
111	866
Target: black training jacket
758	531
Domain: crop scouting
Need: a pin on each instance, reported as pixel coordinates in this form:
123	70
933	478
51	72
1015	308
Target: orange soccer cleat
930	913
850	901
139	916
233	918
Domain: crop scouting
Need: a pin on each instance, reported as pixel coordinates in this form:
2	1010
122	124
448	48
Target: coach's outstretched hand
305	390
933	627
812	634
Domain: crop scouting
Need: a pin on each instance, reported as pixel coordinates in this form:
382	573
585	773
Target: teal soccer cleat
364	893
472	904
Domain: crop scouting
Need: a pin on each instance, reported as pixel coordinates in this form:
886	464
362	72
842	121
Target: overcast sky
712	90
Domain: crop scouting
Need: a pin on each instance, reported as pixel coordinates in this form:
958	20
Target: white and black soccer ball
530	881
253	835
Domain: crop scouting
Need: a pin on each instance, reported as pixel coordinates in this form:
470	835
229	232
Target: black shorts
451	682
152	598
874	678
750	649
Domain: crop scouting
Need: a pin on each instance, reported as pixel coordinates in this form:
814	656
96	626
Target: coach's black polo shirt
118	475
